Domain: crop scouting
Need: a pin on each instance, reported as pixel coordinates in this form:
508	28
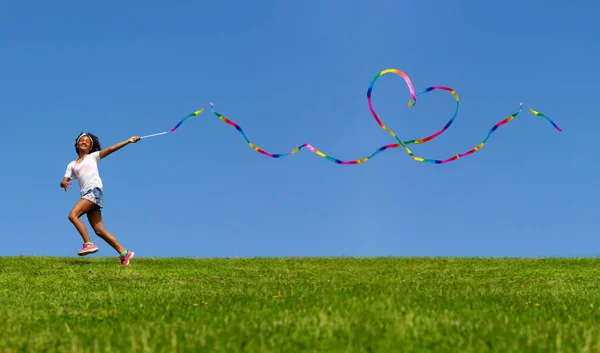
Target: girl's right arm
66	182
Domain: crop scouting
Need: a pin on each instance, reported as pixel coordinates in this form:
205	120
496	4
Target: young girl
85	170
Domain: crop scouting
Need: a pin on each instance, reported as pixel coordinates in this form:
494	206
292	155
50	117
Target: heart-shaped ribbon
413	101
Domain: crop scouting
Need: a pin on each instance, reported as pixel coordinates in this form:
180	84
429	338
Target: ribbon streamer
400	143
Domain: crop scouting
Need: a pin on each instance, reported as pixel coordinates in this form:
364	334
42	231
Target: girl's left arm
105	152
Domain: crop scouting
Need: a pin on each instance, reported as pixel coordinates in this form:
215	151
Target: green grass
299	305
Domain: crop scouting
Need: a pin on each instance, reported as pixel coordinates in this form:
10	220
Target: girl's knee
101	232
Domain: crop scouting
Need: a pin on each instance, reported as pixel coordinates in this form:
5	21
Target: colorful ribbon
404	144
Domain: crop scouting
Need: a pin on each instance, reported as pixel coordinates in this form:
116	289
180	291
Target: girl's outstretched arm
105	152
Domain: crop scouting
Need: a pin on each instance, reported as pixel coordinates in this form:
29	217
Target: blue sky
295	72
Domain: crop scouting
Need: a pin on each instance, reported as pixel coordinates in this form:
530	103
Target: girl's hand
65	184
134	139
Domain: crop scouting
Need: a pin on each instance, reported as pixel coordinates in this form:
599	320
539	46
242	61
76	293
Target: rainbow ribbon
404	144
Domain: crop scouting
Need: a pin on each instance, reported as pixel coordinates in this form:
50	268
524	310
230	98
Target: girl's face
84	144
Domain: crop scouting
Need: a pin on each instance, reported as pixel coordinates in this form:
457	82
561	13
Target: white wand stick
160	133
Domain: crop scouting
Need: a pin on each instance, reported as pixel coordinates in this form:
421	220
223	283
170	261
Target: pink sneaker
125	259
87	249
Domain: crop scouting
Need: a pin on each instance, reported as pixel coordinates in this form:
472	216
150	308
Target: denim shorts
94	195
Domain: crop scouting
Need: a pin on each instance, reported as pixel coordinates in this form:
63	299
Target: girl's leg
81	207
95	218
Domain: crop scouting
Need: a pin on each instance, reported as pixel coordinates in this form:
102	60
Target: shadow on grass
82	262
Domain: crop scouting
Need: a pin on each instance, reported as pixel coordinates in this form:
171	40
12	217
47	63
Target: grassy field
299	305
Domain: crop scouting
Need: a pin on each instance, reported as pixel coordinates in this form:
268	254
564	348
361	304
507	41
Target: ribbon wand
196	113
160	133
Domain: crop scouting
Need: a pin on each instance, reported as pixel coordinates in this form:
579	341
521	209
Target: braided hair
95	142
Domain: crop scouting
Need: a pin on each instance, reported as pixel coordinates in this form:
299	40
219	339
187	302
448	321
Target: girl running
85	170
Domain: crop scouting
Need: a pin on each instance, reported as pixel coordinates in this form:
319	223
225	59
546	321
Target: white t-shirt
86	172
